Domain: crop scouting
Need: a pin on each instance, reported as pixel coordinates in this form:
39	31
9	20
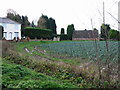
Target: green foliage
70	30
64	76
17	76
106	84
43	22
105	28
62	31
25	23
52	25
63	37
32	24
33	32
84	49
47	23
14	17
114	34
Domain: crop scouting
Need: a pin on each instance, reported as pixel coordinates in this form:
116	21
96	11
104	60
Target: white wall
11	29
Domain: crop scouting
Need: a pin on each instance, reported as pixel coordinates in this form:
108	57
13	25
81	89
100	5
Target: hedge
38	33
63	37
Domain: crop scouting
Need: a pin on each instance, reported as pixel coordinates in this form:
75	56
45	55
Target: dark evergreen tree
24	23
63	36
105	28
10	16
14	17
17	18
52	25
70	30
62	31
43	22
32	24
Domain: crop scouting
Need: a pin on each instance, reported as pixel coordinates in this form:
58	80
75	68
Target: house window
5	35
16	34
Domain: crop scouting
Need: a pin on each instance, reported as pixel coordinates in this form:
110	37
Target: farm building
11	28
85	35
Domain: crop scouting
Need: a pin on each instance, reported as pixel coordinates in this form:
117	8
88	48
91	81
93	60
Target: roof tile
85	34
7	20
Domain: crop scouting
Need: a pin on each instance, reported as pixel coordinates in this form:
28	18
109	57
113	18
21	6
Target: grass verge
18	76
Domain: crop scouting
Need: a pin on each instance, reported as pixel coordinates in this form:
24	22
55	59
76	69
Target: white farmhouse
11	28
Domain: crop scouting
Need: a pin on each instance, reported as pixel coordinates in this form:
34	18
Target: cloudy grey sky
77	12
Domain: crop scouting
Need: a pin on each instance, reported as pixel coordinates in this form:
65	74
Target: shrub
18	76
63	37
38	33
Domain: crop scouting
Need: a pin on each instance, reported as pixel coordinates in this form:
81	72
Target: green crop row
86	49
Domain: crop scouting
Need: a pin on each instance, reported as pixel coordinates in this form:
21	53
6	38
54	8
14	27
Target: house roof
7	20
85	34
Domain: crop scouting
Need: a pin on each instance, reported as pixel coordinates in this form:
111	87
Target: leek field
85	49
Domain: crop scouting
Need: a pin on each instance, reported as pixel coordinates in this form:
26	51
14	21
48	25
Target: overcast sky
77	12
